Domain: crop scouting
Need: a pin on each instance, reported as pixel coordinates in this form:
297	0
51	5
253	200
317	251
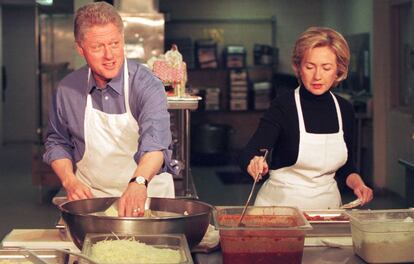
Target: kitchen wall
393	128
393	125
1	77
349	17
292	17
79	61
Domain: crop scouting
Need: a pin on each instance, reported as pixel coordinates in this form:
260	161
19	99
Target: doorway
19	86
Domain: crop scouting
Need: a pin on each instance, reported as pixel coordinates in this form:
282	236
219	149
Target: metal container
268	234
383	236
164	241
193	220
328	223
15	255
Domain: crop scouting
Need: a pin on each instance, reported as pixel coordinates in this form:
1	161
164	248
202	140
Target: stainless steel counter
52	238
311	255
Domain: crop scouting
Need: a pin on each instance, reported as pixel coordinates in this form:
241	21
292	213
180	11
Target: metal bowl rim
61	207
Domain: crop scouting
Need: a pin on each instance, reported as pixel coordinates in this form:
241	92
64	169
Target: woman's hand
363	192
257	167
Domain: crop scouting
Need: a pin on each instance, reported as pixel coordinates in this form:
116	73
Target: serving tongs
266	151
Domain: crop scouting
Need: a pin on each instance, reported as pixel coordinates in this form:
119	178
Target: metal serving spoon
266	151
351	205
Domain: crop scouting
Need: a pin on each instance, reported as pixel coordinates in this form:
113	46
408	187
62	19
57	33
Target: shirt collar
115	84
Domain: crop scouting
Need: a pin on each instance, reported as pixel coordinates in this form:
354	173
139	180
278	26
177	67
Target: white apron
309	183
111	141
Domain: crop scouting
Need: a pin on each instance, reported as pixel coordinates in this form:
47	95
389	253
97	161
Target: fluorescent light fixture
44	2
142	20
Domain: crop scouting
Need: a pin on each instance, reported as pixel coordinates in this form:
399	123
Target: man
110	118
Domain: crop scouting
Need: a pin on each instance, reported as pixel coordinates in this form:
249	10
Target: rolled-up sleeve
153	120
57	142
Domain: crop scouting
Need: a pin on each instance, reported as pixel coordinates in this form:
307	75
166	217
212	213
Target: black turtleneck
279	128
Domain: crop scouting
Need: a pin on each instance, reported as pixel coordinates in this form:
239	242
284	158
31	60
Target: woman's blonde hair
315	37
99	13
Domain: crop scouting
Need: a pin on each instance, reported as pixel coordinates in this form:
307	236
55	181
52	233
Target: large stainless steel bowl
79	221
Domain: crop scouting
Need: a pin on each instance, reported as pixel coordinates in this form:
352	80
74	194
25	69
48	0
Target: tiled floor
21	206
20	200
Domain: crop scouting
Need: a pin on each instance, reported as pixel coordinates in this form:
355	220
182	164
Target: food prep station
325	236
314	236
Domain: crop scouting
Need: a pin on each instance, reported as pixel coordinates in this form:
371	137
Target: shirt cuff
56	153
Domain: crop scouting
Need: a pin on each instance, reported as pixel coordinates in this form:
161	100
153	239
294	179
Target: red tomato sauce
263	257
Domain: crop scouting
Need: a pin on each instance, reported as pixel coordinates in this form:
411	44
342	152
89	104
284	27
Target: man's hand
76	190
132	201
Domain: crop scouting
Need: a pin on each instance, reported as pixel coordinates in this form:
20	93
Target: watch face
140	180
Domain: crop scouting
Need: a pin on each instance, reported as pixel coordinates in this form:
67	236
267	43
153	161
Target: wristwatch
140	180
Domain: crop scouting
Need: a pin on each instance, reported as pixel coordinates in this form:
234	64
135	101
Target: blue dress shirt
148	102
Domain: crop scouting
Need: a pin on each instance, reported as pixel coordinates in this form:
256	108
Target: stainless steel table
311	255
183	105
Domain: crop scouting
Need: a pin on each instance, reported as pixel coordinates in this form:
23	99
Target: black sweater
279	129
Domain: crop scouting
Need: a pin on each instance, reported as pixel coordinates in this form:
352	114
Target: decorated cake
171	69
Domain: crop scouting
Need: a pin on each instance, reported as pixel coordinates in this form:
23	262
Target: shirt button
106	97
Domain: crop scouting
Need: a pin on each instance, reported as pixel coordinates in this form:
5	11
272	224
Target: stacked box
235	57
262	95
212	99
238	90
206	51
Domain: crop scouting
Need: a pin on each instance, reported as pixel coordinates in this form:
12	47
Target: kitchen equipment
328	222
38	239
329	227
32	257
271	234
383	236
251	191
18	255
163	241
234	56
193	220
81	257
352	204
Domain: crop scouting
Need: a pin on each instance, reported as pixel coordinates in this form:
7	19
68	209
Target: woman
309	130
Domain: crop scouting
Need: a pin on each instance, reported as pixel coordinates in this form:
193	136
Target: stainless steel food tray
48	255
165	241
331	226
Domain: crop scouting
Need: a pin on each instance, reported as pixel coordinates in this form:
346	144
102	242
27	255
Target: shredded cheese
128	251
408	219
113	212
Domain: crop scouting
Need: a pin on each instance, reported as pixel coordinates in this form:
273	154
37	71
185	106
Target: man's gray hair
98	13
